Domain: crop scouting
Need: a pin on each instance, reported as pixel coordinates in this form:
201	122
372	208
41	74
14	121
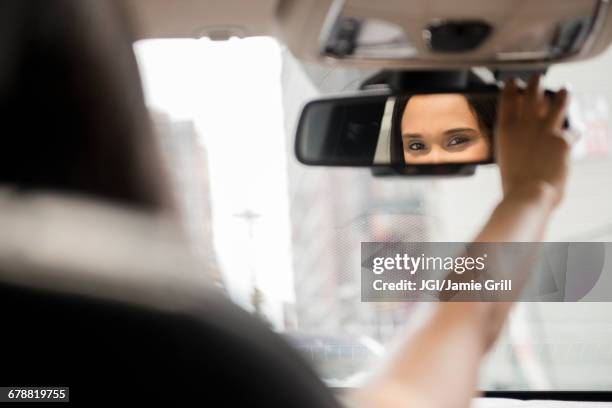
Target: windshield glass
283	240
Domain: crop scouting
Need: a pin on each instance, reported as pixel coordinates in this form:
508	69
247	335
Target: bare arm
438	366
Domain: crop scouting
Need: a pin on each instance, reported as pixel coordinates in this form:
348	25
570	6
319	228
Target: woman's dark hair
73	112
483	106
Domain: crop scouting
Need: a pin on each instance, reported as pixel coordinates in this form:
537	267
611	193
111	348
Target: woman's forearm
521	216
438	366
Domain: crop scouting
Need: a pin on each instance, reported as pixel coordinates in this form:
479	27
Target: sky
232	92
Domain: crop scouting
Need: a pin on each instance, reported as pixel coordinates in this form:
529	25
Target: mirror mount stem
423	81
523	74
415	81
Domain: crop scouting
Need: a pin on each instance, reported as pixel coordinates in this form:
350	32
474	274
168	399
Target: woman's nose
436	155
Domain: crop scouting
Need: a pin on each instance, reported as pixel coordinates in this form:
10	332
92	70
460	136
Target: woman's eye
417	146
457	140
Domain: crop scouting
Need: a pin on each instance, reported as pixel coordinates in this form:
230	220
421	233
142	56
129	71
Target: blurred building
186	158
332	211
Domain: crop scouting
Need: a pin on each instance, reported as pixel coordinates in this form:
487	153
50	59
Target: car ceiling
195	18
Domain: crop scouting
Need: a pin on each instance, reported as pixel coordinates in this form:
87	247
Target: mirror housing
356	130
422	123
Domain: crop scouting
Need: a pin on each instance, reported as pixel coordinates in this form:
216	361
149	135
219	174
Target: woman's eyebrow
458	130
412	136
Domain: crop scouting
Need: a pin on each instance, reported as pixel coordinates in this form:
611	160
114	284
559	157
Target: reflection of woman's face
441	128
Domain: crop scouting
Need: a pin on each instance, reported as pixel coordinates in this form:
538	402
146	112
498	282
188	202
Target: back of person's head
95	297
73	115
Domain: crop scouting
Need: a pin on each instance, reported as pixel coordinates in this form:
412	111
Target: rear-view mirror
401	131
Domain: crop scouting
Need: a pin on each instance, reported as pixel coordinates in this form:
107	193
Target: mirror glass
407	130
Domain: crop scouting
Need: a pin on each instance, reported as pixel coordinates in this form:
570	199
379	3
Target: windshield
283	240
